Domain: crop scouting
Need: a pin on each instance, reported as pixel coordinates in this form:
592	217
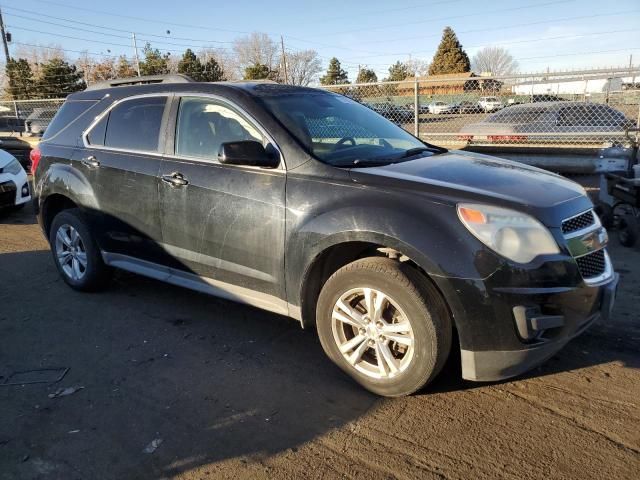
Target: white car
490	104
14	184
439	107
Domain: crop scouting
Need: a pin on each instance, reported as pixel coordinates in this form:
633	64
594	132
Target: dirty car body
274	237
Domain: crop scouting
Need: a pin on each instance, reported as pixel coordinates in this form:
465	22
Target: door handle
90	162
175	180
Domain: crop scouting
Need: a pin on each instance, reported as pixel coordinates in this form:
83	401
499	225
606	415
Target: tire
410	297
74	248
628	230
605	212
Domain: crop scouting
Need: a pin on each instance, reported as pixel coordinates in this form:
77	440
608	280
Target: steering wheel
344	140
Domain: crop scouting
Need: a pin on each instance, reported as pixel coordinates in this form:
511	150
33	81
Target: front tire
75	253
385	325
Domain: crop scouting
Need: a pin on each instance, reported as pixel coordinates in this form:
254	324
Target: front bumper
14	189
581	307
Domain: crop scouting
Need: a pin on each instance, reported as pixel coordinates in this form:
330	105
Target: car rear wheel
75	252
628	230
384	324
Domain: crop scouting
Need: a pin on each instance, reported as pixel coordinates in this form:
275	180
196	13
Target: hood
475	177
5	158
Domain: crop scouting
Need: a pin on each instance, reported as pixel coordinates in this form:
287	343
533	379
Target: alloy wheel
70	252
373	333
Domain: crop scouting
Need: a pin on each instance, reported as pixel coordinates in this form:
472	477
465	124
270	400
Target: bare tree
227	61
38	55
303	67
256	49
417	67
494	60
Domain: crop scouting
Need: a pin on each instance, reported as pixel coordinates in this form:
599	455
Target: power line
140	19
509	27
455	17
102	42
518	42
74	27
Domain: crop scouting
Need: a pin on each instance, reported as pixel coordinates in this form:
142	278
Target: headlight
514	235
13	167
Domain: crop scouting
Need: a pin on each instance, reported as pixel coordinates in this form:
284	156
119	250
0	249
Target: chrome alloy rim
373	333
70	252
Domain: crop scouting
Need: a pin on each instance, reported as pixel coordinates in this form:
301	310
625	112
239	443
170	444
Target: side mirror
249	153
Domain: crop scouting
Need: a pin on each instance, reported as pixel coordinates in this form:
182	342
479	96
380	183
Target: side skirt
198	283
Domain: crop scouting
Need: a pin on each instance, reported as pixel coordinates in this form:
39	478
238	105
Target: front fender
430	235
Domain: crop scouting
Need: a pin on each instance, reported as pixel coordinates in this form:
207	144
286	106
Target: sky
540	34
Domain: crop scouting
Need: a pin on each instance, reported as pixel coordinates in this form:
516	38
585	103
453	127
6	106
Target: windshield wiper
362	163
415	151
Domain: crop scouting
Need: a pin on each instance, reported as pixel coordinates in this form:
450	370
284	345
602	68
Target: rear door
222	222
121	160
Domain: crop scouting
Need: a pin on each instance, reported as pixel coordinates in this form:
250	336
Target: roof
128	87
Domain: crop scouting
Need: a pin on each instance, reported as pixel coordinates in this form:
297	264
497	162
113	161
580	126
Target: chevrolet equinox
306	203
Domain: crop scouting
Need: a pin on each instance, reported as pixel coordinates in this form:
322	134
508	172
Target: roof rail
146	80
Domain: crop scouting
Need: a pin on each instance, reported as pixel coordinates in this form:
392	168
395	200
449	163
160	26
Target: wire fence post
416	109
15	109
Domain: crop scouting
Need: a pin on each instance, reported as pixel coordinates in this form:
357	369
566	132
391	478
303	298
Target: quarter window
96	134
135	124
205	124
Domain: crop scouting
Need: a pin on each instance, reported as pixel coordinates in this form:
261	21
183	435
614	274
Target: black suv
308	204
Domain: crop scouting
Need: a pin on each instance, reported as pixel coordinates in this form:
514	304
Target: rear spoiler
146	80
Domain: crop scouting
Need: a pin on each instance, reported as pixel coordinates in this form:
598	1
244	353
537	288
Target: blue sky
540	34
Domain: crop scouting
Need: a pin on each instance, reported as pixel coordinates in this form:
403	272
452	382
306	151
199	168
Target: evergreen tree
398	72
154	62
257	71
58	79
213	71
20	76
450	56
190	65
335	74
124	69
366	75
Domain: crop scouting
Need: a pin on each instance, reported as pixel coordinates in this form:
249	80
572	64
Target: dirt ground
234	392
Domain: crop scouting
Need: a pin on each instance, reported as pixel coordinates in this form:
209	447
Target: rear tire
75	253
628	230
400	317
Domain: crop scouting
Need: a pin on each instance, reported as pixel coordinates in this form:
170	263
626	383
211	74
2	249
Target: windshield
342	132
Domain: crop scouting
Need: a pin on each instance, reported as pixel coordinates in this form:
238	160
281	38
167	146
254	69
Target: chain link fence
27	117
586	109
523	117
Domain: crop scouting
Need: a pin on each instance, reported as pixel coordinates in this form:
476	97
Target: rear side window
69	112
135	124
590	116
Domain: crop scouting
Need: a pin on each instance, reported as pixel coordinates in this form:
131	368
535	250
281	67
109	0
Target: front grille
7	194
592	264
579	222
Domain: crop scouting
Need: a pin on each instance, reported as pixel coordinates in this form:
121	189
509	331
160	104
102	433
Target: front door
223	224
121	161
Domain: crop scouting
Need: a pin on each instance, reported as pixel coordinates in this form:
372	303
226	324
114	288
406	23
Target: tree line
253	57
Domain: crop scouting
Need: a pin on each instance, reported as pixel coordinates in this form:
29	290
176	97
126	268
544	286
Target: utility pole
4	39
284	60
135	51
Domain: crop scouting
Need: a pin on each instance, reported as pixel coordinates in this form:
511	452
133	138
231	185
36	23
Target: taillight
34	156
506	138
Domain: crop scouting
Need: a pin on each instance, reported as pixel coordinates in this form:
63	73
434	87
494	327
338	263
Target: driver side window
205	124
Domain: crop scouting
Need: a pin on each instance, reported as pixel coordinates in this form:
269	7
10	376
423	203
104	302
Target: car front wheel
385	324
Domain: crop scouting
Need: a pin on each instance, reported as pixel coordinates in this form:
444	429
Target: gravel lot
234	392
